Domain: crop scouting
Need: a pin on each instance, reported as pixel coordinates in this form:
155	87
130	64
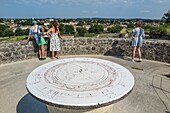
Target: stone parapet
158	50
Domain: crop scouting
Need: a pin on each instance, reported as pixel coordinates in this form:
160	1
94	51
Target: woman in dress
54	35
137	35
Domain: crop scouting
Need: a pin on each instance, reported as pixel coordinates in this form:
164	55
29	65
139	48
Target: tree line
96	27
5	31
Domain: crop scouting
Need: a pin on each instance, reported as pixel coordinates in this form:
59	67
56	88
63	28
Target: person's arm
29	35
28	38
42	29
132	33
48	33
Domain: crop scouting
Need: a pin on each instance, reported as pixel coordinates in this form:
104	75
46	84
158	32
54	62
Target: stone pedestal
106	109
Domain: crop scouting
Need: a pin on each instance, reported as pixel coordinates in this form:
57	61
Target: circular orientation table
80	85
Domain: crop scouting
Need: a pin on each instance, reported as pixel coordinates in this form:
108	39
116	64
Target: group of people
53	33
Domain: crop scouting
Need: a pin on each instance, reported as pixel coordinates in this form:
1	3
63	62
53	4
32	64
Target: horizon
83	18
126	9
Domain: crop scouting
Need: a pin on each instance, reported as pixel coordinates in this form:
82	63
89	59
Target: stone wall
152	49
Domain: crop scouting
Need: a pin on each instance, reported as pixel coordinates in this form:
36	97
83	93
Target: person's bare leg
139	54
133	52
39	52
52	55
42	51
58	55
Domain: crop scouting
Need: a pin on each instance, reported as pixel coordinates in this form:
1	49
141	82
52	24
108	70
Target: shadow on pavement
30	105
168	75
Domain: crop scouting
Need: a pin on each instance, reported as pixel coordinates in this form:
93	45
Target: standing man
35	30
137	39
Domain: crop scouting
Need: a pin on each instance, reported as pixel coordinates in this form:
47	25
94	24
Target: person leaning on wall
137	35
38	33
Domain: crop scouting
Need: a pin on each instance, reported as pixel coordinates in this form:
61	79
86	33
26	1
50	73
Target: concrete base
106	109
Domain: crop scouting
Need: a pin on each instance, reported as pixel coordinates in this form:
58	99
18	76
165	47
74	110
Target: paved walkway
151	93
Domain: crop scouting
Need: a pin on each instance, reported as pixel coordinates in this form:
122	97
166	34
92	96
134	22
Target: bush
81	31
115	29
19	32
97	29
158	33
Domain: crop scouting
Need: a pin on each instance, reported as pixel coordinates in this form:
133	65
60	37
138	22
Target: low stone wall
152	49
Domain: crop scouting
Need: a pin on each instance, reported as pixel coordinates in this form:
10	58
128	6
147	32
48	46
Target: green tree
80	23
115	29
2	28
62	28
96	29
26	31
69	29
81	31
19	32
157	33
131	25
8	32
166	17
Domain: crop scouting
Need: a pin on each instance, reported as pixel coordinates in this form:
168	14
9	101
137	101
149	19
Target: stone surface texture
151	93
80	83
158	50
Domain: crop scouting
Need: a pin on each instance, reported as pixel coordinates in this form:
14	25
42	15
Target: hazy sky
152	9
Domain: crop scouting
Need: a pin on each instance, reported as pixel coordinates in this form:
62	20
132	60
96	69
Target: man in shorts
35	30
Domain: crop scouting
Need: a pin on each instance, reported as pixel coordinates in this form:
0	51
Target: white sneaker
133	60
140	60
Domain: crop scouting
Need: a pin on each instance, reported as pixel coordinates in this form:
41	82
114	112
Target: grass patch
168	31
106	35
90	35
123	31
13	38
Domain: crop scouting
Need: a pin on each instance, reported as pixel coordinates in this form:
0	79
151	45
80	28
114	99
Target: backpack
38	32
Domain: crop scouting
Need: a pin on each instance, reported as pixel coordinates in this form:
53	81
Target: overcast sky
149	9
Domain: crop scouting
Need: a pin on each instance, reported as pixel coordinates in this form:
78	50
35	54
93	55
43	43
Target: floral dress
54	42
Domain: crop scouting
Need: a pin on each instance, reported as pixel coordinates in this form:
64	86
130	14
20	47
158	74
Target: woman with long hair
54	35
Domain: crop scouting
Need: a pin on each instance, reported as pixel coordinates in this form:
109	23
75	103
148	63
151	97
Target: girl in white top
54	35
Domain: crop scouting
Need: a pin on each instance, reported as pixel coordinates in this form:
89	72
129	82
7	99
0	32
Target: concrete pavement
151	93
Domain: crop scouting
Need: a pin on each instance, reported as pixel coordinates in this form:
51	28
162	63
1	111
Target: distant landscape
13	29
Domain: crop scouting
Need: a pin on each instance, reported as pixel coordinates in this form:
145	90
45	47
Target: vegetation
157	29
97	29
19	32
166	17
69	29
13	38
115	29
81	32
